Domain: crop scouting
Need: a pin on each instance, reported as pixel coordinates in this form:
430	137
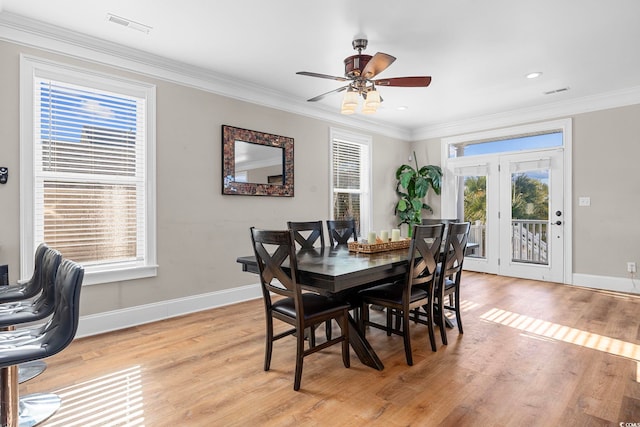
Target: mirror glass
256	163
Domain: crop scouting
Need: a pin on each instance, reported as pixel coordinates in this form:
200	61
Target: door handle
558	222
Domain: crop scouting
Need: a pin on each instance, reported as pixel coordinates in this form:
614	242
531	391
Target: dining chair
416	289
307	233
275	253
450	275
341	230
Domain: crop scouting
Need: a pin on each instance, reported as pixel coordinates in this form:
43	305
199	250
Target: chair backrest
55	335
28	310
445	221
63	325
275	252
434	221
45	267
424	254
341	230
45	303
455	247
307	233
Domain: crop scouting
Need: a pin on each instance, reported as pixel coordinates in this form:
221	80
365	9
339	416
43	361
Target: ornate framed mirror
256	163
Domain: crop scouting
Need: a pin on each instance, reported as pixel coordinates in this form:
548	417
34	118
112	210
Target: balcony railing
529	241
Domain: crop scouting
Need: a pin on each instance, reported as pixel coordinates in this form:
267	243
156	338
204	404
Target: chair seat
392	292
314	306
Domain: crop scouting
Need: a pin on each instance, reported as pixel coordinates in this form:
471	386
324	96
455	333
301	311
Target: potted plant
412	187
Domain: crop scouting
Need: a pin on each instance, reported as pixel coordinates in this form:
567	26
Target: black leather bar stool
36	343
18	305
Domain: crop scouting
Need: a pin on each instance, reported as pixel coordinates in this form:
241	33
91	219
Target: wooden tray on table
370	248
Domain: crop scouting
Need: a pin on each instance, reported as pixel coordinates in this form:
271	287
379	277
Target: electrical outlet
631	267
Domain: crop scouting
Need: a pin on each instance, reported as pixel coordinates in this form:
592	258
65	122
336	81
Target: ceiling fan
359	71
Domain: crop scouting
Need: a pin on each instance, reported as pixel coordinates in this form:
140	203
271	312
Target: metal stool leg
27	411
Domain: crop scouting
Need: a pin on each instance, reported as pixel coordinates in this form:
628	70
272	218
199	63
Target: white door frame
449	190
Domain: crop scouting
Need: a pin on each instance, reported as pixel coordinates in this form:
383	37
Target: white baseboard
618	284
119	319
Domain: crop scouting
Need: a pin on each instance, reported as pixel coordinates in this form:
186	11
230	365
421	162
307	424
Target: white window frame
32	67
366	204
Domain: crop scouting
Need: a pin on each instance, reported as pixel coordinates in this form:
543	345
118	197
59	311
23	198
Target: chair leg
268	342
389	321
458	316
432	338
443	326
299	359
28	410
312	336
363	318
344	326
407	336
327	331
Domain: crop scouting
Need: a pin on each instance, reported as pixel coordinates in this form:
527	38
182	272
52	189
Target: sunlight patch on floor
557	332
110	400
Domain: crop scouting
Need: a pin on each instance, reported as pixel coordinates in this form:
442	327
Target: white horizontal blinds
350	171
89	166
347	165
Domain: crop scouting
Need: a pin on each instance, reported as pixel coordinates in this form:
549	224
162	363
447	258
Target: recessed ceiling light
534	75
402	108
128	23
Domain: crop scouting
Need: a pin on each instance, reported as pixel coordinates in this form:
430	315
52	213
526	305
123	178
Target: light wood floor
533	354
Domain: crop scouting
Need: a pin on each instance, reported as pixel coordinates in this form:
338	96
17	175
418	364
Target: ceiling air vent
563	89
128	23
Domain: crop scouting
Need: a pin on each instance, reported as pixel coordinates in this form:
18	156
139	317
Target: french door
515	203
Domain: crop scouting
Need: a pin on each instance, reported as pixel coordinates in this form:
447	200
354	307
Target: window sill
97	276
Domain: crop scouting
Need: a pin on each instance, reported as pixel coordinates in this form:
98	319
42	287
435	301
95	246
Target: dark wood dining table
338	272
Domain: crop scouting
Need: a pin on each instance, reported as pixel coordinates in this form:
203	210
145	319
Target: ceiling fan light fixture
373	99
368	110
350	99
346	110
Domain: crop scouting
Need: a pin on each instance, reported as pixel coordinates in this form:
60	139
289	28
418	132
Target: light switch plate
584	201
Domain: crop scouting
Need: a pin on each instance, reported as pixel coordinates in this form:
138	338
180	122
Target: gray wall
200	231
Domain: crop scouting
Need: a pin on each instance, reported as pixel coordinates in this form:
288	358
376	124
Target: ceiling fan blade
322	76
377	64
319	97
422	81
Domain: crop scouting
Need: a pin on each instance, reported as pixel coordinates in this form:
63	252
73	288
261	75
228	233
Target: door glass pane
475	212
530	216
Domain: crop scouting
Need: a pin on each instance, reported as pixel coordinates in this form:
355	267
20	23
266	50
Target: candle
372	237
384	235
395	234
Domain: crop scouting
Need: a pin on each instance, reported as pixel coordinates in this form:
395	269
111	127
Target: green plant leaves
416	183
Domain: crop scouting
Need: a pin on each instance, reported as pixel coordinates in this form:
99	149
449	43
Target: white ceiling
477	52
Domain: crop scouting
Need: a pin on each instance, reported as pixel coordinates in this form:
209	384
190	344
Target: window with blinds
350	177
90	166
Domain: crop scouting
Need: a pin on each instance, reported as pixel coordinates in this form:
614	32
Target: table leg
361	346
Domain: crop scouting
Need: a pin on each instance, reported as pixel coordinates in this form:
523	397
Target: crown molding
603	101
37	34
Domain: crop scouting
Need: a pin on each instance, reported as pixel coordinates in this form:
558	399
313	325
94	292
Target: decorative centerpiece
379	246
